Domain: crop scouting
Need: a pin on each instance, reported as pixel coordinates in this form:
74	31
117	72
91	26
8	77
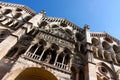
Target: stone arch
25	40
108	39
47	56
118	74
18	9
67	59
27	18
42	42
43	24
31	73
54	26
17	15
106	45
116	48
12	52
7	11
54	48
2	18
68	31
63	24
95	41
60	57
79	36
10	22
4	33
67	53
105	71
33	48
18	52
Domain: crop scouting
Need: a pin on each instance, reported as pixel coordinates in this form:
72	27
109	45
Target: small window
55	26
43	24
18	9
17	15
63	24
27	18
7	11
108	40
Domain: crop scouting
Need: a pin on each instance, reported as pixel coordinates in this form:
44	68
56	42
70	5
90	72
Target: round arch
32	73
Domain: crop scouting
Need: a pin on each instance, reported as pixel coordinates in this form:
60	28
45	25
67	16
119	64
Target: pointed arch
32	73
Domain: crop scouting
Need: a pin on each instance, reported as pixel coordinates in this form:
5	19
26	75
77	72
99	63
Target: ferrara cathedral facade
34	46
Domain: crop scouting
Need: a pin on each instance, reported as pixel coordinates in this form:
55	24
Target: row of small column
104	54
39	57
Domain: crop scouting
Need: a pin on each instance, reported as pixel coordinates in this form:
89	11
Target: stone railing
63	66
56	65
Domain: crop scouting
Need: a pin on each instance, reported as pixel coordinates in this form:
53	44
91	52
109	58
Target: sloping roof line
104	34
30	11
63	20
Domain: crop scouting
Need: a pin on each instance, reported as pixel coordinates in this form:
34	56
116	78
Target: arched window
18	9
3	34
27	18
95	41
17	15
104	72
33	48
12	52
47	56
63	25
74	71
7	11
43	24
106	45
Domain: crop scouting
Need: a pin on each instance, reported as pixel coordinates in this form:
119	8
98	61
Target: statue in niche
48	58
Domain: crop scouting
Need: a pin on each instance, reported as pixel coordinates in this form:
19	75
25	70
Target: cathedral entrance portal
35	74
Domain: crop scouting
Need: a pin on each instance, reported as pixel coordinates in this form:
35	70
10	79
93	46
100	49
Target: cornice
104	34
63	20
23	7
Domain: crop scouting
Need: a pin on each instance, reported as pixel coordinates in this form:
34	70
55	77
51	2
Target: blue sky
100	15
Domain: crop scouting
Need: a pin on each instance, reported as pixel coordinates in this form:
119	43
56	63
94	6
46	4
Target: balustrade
56	64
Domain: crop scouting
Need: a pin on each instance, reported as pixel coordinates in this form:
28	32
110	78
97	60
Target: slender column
28	49
115	59
97	52
15	54
77	74
63	62
103	54
42	54
71	59
35	51
110	59
56	58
